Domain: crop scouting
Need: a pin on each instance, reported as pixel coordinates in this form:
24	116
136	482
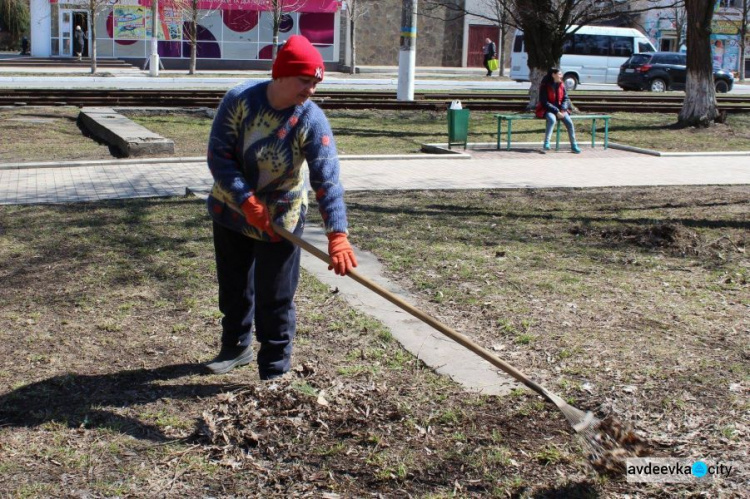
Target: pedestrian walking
489	50
79	40
261	136
554	104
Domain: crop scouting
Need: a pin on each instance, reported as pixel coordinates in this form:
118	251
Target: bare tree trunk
743	35
535	77
92	41
741	69
699	107
504	28
501	49
193	38
277	13
352	32
543	36
679	26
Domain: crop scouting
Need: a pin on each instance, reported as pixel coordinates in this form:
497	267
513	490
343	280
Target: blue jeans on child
552	119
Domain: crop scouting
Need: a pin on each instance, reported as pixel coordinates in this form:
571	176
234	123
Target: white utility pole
153	65
407	54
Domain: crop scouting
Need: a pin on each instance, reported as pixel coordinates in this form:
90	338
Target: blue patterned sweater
254	148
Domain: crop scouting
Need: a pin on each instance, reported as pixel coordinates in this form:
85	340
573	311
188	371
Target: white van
593	54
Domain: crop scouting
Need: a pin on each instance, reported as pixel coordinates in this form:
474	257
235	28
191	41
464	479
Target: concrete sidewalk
496	169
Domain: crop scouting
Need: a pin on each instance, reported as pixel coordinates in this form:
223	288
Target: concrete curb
638	150
444	148
489	146
660	154
704	154
104	162
382	157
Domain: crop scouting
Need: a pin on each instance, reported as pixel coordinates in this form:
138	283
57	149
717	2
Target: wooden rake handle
427	319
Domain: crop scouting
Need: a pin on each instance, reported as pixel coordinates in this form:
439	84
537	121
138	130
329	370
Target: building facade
231	33
378	29
662	26
477	27
238	33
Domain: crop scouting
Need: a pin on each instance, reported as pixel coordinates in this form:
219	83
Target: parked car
661	71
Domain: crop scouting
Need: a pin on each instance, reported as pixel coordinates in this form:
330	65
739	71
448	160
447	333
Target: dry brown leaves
611	443
283	420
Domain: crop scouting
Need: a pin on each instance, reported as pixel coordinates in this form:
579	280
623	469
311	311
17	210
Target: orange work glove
257	215
341	253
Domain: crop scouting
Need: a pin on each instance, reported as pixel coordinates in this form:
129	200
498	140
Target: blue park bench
510	118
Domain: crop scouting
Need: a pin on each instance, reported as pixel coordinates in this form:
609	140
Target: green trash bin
458	127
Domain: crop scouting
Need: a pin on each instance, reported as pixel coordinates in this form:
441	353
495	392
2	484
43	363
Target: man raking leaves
260	139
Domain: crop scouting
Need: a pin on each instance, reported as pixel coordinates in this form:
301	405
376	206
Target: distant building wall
483	8
231	33
40	27
439	42
660	25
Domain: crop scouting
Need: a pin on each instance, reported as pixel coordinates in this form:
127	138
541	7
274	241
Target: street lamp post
153	65
407	54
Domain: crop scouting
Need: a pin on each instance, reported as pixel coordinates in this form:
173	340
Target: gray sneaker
230	357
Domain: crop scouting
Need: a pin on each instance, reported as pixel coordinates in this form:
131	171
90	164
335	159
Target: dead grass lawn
631	301
50	134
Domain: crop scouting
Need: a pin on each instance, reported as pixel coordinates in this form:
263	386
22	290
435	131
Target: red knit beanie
297	57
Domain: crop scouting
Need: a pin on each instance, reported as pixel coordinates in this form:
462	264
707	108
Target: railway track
479	101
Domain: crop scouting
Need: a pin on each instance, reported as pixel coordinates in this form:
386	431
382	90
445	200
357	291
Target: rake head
608	441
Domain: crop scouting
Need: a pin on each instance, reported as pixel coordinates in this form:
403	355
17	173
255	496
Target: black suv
660	71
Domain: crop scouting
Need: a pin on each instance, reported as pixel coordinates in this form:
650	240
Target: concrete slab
430	346
126	136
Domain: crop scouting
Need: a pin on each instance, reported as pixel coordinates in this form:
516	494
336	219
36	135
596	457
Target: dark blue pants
257	282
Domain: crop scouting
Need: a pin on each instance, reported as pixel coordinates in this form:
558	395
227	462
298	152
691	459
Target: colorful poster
170	24
129	22
261	5
725	27
725	52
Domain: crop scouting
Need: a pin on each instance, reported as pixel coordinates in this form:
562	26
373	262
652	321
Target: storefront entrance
69	19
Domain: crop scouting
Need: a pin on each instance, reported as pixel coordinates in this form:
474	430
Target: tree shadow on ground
449	211
77	235
79	400
393	134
